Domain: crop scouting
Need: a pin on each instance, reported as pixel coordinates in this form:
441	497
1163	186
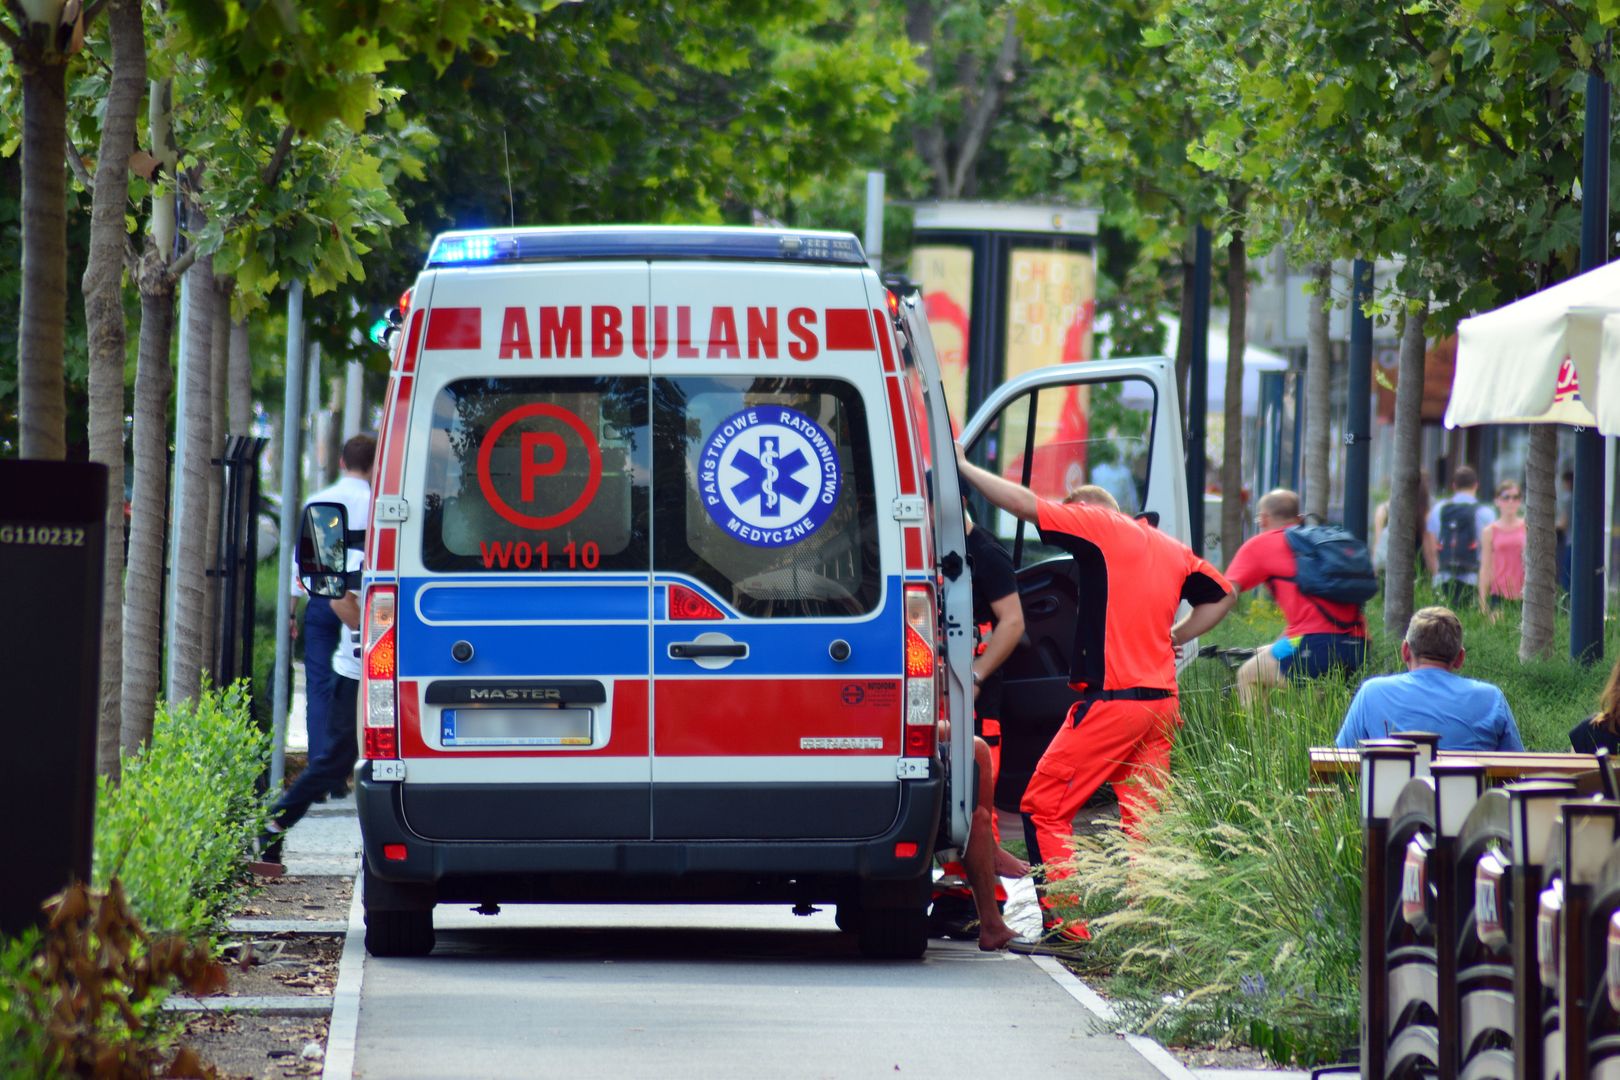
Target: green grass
1236	920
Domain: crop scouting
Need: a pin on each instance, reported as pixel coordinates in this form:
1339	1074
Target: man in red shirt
1321	634
1133	579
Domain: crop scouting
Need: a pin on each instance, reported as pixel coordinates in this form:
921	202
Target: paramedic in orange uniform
1133	579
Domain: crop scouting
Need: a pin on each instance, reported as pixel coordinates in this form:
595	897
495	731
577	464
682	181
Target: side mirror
323	550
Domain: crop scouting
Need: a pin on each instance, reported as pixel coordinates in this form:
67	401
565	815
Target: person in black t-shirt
1603	728
999	618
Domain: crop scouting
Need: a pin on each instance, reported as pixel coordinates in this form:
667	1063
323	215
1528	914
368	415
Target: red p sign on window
535	446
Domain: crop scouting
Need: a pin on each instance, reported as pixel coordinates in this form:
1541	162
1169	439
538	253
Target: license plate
515	727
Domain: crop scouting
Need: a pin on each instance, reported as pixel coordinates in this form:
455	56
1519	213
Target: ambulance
664	597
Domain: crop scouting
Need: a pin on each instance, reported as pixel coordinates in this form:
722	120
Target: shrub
174	829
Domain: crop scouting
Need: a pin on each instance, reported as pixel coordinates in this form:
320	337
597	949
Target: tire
891	933
399	933
848	918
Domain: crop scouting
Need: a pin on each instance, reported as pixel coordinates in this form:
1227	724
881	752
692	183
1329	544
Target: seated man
1321	634
1430	696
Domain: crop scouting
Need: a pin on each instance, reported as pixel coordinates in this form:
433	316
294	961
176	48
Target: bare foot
995	938
1009	865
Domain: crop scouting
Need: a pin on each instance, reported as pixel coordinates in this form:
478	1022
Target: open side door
1116	424
920	368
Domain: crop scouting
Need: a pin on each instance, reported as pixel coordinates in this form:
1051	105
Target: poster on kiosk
1009	288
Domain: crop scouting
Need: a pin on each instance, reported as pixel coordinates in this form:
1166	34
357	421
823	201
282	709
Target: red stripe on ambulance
383	550
902	439
412	340
708	717
880	323
456	328
394	462
848	329
914	549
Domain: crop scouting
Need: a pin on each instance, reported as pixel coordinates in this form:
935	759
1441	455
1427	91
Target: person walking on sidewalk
1124	668
331	769
322	628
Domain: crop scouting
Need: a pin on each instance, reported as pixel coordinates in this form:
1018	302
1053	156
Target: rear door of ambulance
524	592
779	602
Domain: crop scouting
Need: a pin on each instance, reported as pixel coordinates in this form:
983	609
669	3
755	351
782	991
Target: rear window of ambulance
776	510
538	475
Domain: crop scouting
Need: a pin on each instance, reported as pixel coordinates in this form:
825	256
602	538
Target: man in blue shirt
1430	696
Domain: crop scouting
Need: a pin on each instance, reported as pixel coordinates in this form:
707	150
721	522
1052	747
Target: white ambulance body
654	604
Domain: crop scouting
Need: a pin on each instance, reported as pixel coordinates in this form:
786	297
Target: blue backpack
1332	564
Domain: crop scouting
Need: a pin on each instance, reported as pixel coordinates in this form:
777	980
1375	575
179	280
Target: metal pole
1198	388
177	483
874	219
292	408
352	402
1586	524
1358	420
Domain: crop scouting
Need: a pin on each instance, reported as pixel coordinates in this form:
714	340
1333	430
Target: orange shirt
1133	579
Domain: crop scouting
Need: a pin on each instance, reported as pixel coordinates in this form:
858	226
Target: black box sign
52	536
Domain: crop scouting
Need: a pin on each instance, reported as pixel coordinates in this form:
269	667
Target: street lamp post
1586	596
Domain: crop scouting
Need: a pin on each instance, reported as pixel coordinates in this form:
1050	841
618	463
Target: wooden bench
1500	766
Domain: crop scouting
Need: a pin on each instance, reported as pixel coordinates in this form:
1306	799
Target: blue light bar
620	242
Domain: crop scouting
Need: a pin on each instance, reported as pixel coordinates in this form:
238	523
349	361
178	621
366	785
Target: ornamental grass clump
1235	919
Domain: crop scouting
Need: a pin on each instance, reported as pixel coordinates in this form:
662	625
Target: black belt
1134	693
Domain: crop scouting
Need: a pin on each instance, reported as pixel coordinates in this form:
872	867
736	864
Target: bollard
1428	744
1386	766
1457	789
1534	807
1411	941
1484	951
1588	835
1603	973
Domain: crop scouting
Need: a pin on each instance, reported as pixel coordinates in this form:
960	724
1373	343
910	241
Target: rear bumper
514	871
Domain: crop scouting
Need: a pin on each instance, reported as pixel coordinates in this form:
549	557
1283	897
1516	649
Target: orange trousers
1126	743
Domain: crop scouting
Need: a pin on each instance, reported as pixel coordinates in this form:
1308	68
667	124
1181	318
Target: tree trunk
1540	543
104	322
41	404
218	361
1237	292
188	649
1404	525
143	581
241	381
1319	394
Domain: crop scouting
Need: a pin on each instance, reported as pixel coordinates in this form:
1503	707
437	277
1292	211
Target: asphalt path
713	991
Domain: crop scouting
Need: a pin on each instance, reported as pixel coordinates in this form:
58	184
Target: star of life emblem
769	475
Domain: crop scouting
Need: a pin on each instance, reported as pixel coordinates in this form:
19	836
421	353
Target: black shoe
270	846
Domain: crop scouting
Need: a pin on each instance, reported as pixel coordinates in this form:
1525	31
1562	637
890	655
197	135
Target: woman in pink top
1501	549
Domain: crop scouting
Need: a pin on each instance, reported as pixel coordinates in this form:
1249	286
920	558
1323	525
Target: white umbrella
1542	359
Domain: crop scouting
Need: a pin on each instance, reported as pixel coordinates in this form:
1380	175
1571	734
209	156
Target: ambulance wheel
848	918
894	933
399	933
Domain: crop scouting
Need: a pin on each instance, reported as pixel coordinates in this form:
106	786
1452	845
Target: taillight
405	301
686	604
380	732
922	630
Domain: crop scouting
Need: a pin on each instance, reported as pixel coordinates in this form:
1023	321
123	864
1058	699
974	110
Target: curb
344	1027
1156	1055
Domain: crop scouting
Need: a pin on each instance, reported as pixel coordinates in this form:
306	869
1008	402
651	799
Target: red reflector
905	849
686	604
919	656
919	740
380	660
381	743
396	852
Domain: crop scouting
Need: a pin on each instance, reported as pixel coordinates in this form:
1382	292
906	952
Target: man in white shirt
1457	524
322	629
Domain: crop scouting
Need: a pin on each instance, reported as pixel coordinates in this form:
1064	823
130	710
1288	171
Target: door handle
698	650
1046	605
